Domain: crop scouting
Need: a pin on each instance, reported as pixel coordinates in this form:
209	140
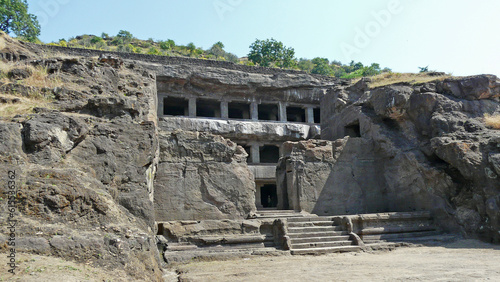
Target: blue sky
459	37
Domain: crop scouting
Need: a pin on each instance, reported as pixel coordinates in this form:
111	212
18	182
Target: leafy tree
125	36
305	65
96	39
191	47
336	63
14	18
271	52
217	50
231	57
321	66
339	71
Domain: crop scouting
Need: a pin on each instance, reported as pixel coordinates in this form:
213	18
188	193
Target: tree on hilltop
14	17
270	52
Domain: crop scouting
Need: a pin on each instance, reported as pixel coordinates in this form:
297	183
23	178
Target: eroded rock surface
84	163
202	176
431	143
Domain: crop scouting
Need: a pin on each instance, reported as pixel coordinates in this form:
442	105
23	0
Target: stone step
276	211
293	230
219	254
310	223
310	218
317	234
427	239
321	244
276	215
315	251
395	216
397	229
319	239
397	236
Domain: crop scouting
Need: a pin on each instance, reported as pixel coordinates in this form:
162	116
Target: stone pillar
192	107
282	111
254	111
254	150
309	115
160	112
224	109
258	203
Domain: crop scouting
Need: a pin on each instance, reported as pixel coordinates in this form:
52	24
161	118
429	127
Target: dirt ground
34	268
465	260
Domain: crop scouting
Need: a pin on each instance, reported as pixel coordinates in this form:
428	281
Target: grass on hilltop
389	78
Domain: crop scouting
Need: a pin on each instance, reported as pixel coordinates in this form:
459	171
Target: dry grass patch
492	121
22	105
389	78
39	76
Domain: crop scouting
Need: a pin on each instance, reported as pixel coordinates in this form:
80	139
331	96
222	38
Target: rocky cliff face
202	176
84	162
431	144
80	130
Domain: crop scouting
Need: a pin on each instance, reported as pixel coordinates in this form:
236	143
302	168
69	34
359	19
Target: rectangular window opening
268	112
208	108
269	154
295	114
173	106
238	110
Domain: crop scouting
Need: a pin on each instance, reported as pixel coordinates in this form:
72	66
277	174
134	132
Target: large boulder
202	176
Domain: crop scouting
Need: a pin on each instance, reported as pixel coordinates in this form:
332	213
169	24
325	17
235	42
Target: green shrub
167	45
153	51
96	39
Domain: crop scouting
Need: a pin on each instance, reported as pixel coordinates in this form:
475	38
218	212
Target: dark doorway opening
295	114
207	108
353	130
268	112
268	196
239	110
269	154
317	115
248	149
175	106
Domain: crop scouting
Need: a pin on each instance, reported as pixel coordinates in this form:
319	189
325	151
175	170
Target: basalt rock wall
202	176
432	147
94	170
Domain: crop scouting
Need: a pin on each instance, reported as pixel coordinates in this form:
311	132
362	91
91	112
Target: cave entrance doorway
268	196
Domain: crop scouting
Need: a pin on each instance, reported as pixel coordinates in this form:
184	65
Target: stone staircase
318	235
275	213
277	232
398	227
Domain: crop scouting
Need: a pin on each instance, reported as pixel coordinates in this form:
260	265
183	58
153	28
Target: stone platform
279	232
